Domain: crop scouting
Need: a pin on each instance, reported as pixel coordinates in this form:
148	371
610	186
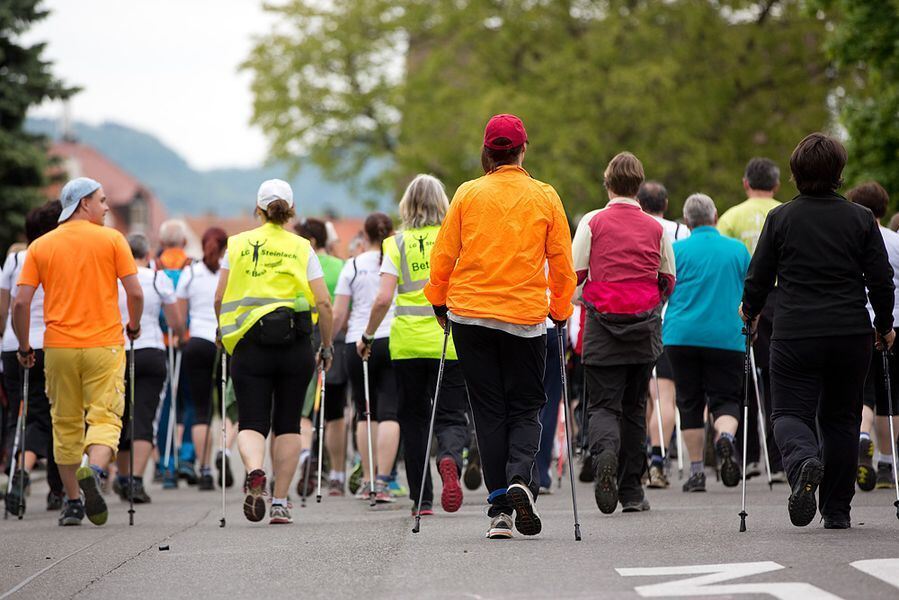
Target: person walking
624	258
489	282
702	335
269	282
823	252
416	344
78	264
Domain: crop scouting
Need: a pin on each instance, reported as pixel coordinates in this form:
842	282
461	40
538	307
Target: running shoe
254	502
94	504
884	476
72	513
308	477
426	510
170	480
280	514
730	470
15	499
187	472
587	474
657	478
382	493
158	473
779	477
866	476
226	465
472	472
527	521
696	483
362	491
633	506
451	497
355	479
500	527
545	490
397	490
802	504
753	469
140	494
205	482
837	523
54	500
605	488
335	488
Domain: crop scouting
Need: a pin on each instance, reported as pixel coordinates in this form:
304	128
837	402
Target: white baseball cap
271	190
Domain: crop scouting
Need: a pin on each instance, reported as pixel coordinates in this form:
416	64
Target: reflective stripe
412	286
414	311
250	301
408	285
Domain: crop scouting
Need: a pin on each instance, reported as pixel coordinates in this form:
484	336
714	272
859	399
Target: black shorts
875	388
149	379
382	383
706	373
663	366
38	426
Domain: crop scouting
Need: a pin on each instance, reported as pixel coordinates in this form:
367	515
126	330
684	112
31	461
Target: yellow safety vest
414	332
267	271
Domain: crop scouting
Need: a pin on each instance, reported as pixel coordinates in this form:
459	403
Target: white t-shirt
313	266
154	297
676	231
891	241
197	285
360	279
8	279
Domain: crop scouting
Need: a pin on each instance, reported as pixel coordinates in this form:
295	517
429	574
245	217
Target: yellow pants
85	385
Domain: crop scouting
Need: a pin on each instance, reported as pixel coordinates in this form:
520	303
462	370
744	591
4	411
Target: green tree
25	80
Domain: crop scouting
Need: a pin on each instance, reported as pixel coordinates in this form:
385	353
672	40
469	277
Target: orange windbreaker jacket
489	260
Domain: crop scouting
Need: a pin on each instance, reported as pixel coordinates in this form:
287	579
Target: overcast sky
167	67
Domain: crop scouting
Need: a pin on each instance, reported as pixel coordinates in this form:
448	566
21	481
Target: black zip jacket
823	251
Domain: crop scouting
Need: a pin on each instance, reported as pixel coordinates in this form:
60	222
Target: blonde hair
424	203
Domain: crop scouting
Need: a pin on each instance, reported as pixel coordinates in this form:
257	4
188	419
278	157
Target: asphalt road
343	549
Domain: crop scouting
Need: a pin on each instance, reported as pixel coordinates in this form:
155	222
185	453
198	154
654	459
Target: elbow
136	294
382	302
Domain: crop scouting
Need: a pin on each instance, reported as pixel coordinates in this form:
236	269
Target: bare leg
362	445
694	441
388	442
285	456
725	424
251	445
667	396
202	443
867	420
336	444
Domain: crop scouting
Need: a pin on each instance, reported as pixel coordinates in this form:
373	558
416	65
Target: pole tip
417	527
318	499
743	516
222	522
577	532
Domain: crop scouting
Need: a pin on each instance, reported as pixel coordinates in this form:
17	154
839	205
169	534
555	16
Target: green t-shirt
331	266
745	220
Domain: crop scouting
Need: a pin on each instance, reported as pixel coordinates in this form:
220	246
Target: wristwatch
326	352
368	340
26	353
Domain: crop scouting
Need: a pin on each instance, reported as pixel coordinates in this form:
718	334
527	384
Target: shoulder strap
355	272
676	230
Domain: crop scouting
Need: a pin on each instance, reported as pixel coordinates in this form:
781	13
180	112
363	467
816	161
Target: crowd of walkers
754	343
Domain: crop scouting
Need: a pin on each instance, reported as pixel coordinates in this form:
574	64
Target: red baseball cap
504	126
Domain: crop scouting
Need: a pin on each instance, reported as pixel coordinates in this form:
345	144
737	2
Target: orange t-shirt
79	263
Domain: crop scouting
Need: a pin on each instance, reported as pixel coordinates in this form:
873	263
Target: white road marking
28	580
884	569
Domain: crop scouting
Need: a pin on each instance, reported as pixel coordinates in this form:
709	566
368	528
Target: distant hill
225	192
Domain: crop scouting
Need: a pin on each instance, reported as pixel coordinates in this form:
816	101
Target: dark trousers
821	379
504	375
549	416
149	378
199	374
416	382
616	397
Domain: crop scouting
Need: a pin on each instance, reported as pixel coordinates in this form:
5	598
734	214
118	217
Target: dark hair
653	197
279	212
762	174
817	164
313	230
214	242
42	219
871	195
624	175
139	244
491	159
378	227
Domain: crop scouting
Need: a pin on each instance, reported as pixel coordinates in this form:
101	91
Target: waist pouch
280	327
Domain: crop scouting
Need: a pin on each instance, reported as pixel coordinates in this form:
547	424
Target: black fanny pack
280	327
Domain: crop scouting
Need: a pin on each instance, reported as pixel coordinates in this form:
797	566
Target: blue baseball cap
73	192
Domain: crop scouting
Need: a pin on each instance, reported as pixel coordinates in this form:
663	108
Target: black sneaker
94	504
865	476
633	506
605	488
72	513
471	475
140	494
802	504
884	476
229	477
696	483
730	470
527	521
587	472
187	472
15	499
54	500
500	527
837	523
205	482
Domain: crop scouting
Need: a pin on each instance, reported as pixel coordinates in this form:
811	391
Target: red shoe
451	498
426	511
254	502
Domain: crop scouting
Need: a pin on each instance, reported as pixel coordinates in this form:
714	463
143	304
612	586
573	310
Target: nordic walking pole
321	435
131	433
746	368
427	461
680	442
371	456
763	423
13	464
577	524
316	421
655	380
23	407
170	430
889	390
224	394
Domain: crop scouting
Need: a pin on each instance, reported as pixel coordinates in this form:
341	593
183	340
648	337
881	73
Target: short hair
894	222
624	175
140	245
699	210
42	219
653	197
762	174
313	230
817	164
173	233
492	159
423	203
870	195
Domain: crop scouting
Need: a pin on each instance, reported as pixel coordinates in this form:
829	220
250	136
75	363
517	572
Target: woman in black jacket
823	252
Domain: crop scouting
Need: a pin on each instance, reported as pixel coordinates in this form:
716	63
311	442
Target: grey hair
173	233
140	245
424	202
699	210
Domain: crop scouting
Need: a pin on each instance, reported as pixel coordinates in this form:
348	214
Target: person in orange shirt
489	277
78	264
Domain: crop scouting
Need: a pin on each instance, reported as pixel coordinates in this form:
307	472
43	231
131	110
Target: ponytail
378	227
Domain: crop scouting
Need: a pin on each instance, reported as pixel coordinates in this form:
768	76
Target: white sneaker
500	527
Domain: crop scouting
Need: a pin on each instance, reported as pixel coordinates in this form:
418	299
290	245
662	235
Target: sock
122	479
884	458
304	456
228	452
75	501
205	470
337	475
100	472
138	479
697	467
864	435
656	455
728	436
384	478
279	501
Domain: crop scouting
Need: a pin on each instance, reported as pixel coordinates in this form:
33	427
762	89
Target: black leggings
199	372
381	381
270	384
149	379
